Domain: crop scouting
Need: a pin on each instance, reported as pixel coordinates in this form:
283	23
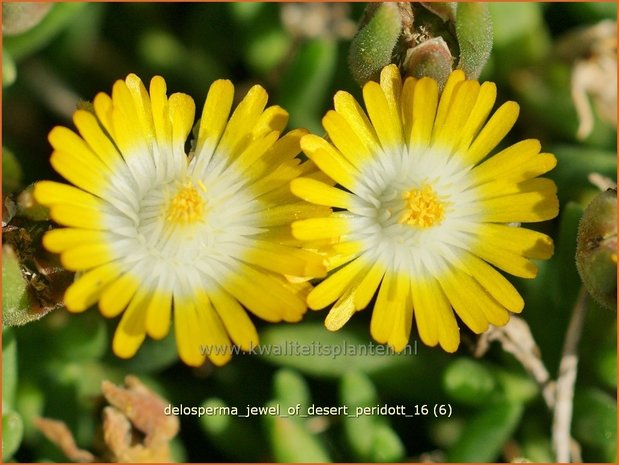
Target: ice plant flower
152	230
424	215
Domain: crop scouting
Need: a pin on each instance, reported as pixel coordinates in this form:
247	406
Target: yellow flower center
187	206
423	208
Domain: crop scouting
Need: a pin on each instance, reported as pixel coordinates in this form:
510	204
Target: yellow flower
151	229
424	215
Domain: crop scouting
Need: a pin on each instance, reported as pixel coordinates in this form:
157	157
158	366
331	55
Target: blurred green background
53	367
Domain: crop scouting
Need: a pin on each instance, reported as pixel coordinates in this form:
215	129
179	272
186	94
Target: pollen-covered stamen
423	208
187	206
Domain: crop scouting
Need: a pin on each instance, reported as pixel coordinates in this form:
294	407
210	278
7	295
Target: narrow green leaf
291	442
9	367
595	421
291	389
357	390
11	171
9	74
306	84
486	433
387	446
469	382
16	301
474	32
315	351
12	432
372	48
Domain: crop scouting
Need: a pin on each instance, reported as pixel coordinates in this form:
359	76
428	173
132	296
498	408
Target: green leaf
83	337
12	432
290	389
306	83
520	35
486	433
30	404
370	437
595	422
11	171
372	48
387	446
16	300
469	382
61	15
515	386
474	32
9	74
323	353
535	440
357	390
9	367
291	442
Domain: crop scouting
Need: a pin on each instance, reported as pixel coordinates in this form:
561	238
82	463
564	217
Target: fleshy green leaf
291	442
12	432
486	434
9	367
595	422
16	301
306	84
387	447
11	171
469	382
474	32
290	389
323	353
373	46
9	74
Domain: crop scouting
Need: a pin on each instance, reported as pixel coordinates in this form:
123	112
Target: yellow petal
117	295
187	332
425	100
341	312
158	314
214	116
320	228
495	284
349	109
86	256
329	290
329	160
444	106
131	330
466	297
59	240
384	119
319	193
85	291
436	322
493	132
235	319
